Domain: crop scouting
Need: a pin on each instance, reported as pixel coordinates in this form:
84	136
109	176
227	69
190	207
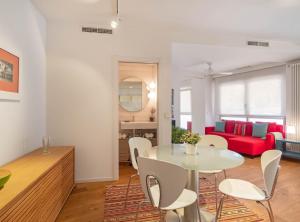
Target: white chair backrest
172	179
142	145
270	164
213	141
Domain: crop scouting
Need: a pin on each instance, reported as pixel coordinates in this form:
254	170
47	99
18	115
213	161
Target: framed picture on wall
9	76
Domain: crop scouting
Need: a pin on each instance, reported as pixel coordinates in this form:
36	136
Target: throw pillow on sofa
239	129
220	126
229	126
260	130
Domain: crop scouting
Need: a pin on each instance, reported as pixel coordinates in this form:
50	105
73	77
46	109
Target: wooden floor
86	201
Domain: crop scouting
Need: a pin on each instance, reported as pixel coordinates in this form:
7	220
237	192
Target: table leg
191	213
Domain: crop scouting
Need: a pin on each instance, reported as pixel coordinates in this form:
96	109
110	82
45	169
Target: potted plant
177	134
190	140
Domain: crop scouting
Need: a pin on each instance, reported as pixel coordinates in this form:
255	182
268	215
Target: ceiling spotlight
115	23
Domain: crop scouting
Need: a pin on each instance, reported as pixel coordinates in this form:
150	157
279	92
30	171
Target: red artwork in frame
9	72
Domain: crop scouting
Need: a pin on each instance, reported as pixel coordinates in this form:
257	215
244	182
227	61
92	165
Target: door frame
115	108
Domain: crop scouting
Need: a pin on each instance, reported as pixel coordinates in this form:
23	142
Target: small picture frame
9	76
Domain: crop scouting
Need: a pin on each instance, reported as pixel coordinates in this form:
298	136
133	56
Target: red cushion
238	128
209	129
272	127
229	126
249	129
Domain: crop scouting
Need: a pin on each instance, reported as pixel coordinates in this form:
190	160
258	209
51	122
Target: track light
115	22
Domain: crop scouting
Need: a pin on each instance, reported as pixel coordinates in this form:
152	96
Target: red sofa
247	144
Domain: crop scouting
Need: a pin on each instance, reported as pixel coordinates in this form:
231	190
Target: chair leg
199	212
216	190
269	209
179	218
128	187
161	216
219	211
138	210
225	175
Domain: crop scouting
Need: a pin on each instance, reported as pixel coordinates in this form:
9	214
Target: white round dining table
206	159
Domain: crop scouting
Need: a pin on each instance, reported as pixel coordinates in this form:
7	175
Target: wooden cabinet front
39	186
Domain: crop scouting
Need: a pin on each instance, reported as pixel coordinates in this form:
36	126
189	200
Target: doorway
138	107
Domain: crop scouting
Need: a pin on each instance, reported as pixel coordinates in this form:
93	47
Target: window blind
232	98
260	95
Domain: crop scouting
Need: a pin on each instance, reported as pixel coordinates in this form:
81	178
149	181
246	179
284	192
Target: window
253	99
265	96
279	121
232	98
185	107
234	118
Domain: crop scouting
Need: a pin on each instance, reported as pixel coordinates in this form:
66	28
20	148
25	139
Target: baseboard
91	180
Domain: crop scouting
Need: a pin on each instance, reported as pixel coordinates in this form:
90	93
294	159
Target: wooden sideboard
39	185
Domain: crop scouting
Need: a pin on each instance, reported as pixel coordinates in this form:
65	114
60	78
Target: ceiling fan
209	72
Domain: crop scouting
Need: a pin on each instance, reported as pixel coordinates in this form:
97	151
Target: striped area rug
233	210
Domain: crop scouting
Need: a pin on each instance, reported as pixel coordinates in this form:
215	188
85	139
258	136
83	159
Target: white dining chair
216	142
213	141
245	190
164	186
138	146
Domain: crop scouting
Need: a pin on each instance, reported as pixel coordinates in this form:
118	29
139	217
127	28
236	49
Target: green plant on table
190	138
177	134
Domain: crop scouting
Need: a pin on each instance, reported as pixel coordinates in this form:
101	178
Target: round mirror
133	94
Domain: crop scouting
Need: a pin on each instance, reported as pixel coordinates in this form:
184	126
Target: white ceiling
272	19
188	57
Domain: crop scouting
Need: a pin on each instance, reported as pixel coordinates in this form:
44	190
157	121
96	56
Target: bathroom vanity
132	129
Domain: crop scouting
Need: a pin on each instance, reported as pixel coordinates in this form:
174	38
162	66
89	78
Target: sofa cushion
220	126
239	128
272	127
260	130
249	129
229	126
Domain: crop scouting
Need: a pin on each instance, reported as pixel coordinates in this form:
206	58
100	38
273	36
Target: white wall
23	33
82	91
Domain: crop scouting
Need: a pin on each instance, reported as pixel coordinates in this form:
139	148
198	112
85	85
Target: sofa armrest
209	129
270	141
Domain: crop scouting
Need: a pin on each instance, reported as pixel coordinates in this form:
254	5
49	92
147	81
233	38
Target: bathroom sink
139	125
